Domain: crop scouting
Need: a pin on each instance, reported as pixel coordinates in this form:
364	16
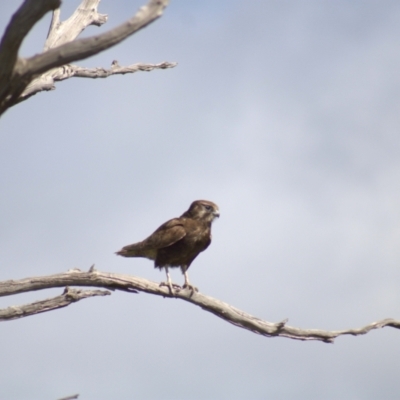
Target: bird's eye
208	208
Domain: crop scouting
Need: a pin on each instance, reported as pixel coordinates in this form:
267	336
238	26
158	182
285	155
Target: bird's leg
187	284
169	282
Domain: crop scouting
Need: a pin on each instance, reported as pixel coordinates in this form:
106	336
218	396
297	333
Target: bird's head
202	210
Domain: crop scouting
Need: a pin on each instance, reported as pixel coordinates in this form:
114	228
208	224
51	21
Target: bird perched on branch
177	242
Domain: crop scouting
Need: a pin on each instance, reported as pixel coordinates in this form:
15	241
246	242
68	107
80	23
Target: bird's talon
171	286
190	287
174	285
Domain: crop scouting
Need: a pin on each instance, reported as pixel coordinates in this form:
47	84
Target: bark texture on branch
68	297
46	82
21	78
223	310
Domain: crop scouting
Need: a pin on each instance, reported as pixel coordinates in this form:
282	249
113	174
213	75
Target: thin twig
46	82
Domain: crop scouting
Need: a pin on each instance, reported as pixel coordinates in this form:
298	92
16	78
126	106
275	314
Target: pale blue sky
284	113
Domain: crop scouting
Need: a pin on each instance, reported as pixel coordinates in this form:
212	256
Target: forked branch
223	310
68	297
20	78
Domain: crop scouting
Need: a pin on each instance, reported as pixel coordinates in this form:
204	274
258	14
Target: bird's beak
216	214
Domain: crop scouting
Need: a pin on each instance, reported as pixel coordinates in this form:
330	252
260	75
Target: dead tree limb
68	71
68	297
21	78
223	310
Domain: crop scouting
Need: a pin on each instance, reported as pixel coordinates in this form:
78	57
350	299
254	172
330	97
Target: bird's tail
137	250
121	252
128	251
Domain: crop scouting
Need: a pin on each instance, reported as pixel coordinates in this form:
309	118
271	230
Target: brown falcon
177	242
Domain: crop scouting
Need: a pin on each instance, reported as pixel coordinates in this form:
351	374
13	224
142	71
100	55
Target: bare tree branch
84	48
117	69
63	32
223	310
21	78
68	297
30	12
45	82
19	26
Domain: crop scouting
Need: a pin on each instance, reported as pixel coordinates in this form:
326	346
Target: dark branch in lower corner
73	397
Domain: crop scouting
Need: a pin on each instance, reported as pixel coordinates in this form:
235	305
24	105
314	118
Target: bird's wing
166	235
